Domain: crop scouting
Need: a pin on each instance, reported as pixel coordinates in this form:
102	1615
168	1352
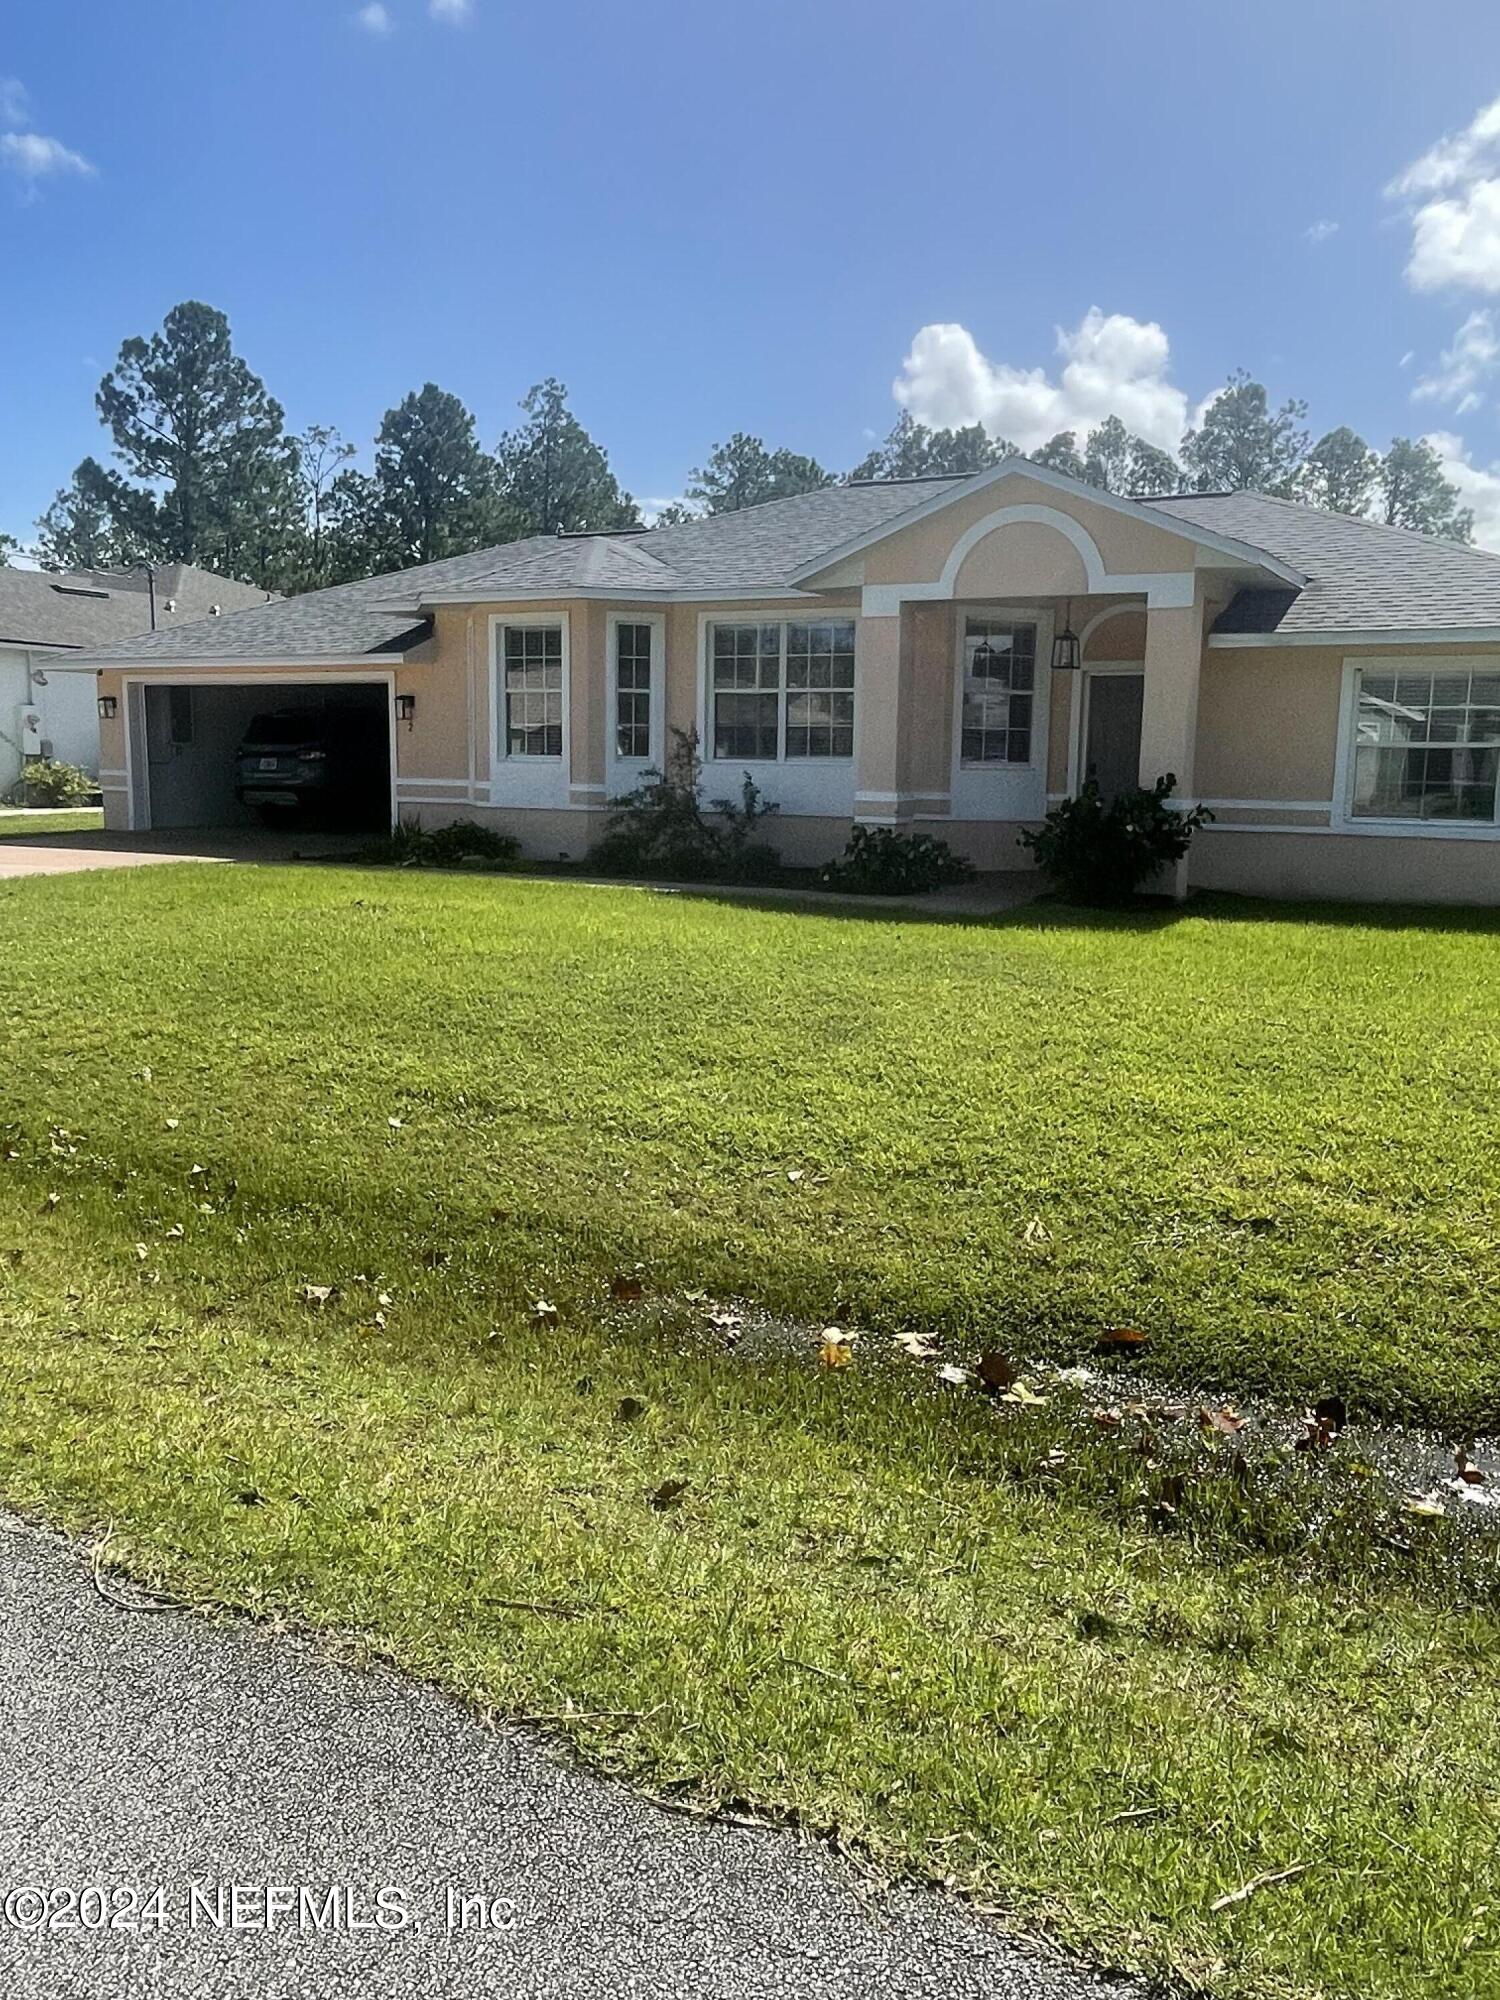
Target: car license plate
268	763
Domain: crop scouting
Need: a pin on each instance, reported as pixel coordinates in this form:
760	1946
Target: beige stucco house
881	654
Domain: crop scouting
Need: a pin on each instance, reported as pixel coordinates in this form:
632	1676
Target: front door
1112	738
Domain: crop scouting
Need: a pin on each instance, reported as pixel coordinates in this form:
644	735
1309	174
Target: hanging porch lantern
1067	653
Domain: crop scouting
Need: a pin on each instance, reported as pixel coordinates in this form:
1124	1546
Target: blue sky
709	217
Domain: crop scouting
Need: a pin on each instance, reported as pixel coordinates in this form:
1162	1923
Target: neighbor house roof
1358	575
92	608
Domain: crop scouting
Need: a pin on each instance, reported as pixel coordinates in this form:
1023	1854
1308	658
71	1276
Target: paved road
168	1750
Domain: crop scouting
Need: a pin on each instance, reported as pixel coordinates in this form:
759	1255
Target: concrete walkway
142	1753
71	853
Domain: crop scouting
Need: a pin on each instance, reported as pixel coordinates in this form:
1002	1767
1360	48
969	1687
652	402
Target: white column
1169	705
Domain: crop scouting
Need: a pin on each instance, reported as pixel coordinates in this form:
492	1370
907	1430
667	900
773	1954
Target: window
999	678
782	690
1426	744
633	691
533	665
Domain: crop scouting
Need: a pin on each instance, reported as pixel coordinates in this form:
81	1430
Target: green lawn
969	1635
66	819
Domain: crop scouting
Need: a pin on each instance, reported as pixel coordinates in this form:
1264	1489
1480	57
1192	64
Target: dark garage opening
287	755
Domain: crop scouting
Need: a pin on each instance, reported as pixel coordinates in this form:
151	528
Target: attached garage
223	751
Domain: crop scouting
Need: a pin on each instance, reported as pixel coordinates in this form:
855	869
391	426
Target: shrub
1100	851
664	829
44	782
462	843
881	862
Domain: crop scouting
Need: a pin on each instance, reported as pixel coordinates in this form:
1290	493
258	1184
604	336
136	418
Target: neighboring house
881	654
46	617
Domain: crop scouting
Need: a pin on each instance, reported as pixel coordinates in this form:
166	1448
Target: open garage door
272	753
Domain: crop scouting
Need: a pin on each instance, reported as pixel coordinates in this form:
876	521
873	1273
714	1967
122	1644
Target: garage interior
193	736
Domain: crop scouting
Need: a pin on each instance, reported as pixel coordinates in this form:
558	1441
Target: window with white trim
999	683
531	658
632	690
1426	744
782	689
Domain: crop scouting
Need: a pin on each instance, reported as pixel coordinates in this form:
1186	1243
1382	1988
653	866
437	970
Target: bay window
632	690
531	660
782	689
1426	743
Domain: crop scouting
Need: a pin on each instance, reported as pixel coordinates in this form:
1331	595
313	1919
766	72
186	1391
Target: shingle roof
1362	575
93	607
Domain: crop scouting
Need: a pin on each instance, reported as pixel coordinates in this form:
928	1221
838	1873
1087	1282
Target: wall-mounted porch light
1067	653
109	708
406	708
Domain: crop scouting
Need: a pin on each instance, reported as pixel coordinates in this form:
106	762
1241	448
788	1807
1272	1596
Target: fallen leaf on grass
1121	1340
1107	1420
837	1348
1020	1393
52	1200
629	1408
917	1345
668	1494
626	1287
1225	1421
176	1230
1036	1231
953	1375
1426	1506
1465	1469
317	1296
545	1313
996	1371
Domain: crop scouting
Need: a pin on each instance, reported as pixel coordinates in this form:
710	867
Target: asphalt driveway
233	1769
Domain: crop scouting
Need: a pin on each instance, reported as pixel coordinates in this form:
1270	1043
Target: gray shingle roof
91	608
1362	576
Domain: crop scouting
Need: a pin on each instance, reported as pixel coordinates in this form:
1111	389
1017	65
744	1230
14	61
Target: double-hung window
632	690
999	685
531	660
783	689
1426	744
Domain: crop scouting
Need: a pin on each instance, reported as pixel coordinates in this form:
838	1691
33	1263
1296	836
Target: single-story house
47	617
882	654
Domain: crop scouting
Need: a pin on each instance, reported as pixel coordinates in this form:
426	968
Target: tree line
207	472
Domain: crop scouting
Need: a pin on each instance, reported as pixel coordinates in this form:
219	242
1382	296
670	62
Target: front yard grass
1261	1136
65	819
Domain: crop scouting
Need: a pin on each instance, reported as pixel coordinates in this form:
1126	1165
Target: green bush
44	782
664	830
881	862
1103	851
463	843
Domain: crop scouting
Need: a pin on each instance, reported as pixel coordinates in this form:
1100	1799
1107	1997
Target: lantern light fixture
406	708
109	707
1067	653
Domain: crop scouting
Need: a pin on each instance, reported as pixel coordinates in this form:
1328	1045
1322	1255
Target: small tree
664	829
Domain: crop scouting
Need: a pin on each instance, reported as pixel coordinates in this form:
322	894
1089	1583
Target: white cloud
1113	365
1454	195
1478	485
1319	232
35	157
376	19
1463	366
455	12
31	156
1456	159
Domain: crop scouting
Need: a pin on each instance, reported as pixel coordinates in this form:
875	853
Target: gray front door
1112	749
